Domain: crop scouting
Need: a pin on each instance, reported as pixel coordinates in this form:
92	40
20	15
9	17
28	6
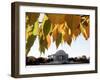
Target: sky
78	47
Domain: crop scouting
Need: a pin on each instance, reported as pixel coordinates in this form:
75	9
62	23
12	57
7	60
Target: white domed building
59	57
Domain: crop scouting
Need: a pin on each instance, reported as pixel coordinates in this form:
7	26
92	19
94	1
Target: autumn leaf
31	30
46	27
61	27
76	32
41	49
36	28
73	21
66	36
83	30
69	40
28	31
40	31
31	18
55	33
59	39
44	19
85	27
29	43
56	18
42	44
48	38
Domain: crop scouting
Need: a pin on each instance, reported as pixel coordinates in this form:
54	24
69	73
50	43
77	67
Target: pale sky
78	47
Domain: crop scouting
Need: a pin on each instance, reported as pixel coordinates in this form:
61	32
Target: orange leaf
48	40
56	18
73	21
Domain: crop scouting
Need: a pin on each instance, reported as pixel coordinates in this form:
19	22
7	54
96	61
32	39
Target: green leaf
44	19
58	40
46	27
42	49
29	43
42	44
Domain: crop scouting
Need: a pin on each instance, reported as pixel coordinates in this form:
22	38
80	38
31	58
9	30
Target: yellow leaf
66	37
86	25
69	31
36	28
55	32
60	27
28	31
29	28
85	31
27	18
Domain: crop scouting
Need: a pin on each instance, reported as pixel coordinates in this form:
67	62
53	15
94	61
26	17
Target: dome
61	52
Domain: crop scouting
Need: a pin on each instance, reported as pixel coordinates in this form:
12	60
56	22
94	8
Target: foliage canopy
61	27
